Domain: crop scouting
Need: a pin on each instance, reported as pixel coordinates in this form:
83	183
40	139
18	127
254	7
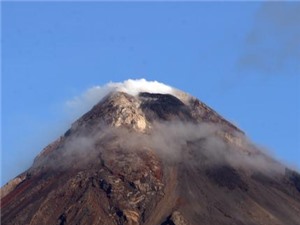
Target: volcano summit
149	154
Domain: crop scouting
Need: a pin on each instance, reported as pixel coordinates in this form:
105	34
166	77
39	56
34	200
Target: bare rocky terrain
153	159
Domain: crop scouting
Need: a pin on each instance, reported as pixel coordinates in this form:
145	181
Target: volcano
155	159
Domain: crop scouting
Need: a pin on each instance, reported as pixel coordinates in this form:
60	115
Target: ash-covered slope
152	159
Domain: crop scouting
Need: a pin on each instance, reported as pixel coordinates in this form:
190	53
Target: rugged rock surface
104	170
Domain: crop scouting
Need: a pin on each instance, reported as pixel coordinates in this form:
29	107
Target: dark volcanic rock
164	107
293	177
226	176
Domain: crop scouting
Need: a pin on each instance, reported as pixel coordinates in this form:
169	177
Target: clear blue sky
242	59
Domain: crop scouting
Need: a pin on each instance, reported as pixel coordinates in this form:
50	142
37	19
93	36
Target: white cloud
93	95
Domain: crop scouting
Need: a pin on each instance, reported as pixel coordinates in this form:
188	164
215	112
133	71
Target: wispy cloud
273	44
176	141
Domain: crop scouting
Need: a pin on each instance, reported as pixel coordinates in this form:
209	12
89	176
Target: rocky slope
152	159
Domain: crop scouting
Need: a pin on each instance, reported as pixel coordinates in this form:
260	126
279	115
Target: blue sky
242	59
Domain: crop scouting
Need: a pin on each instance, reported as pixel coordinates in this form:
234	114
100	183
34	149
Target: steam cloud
92	96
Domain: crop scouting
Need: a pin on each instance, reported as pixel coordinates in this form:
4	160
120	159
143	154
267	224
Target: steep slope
152	159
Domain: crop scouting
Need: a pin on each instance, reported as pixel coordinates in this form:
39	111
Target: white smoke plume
93	95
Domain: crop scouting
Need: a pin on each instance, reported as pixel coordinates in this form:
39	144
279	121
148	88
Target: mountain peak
138	110
94	95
